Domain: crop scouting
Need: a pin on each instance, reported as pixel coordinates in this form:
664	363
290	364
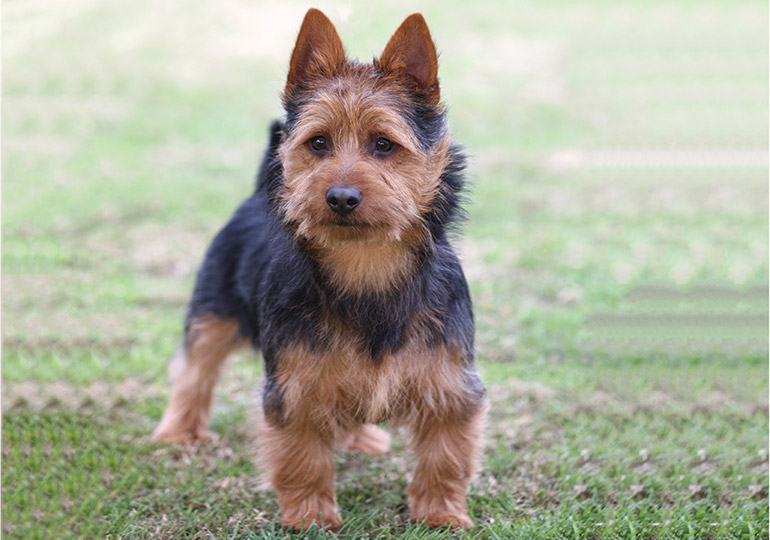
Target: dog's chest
343	387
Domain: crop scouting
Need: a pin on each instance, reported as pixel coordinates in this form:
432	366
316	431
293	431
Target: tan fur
326	395
397	191
351	106
194	371
368	439
376	265
341	388
298	461
299	464
411	52
318	50
447	450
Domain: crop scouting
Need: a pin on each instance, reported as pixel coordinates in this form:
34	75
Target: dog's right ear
318	50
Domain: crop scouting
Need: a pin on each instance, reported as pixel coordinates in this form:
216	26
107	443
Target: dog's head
366	146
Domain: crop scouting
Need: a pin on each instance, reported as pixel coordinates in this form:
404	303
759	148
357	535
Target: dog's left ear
410	53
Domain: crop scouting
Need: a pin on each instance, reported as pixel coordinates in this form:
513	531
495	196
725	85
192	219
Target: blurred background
616	248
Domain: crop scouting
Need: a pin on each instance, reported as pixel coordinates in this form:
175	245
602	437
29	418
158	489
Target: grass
616	252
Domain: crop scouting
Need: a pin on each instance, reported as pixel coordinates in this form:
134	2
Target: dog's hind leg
368	439
194	371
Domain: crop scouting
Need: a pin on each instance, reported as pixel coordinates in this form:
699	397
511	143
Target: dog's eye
318	144
383	145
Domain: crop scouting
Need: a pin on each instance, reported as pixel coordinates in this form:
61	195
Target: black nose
343	199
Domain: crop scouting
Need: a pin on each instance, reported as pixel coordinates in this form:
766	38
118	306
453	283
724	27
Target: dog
339	270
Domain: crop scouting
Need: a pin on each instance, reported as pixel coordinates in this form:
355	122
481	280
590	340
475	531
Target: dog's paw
443	519
440	511
368	439
181	434
313	511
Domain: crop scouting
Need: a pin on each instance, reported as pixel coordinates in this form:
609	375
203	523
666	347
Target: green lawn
617	251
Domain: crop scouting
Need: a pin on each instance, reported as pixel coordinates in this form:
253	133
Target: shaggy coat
360	318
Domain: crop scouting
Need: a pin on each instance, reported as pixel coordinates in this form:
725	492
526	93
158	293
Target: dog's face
366	145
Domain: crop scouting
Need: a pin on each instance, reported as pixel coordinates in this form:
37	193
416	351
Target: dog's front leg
446	447
299	463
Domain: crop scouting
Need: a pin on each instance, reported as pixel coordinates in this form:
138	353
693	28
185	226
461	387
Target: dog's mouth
348	230
330	230
348	223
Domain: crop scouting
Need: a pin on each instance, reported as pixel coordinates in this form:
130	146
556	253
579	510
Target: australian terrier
339	270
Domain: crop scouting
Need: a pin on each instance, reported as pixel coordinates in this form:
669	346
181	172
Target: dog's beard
332	233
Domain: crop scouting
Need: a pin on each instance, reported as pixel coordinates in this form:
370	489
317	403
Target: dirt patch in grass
98	396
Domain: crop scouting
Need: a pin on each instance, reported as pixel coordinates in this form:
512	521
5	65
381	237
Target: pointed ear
411	53
318	49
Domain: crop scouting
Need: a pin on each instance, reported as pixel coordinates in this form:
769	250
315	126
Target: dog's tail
270	169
